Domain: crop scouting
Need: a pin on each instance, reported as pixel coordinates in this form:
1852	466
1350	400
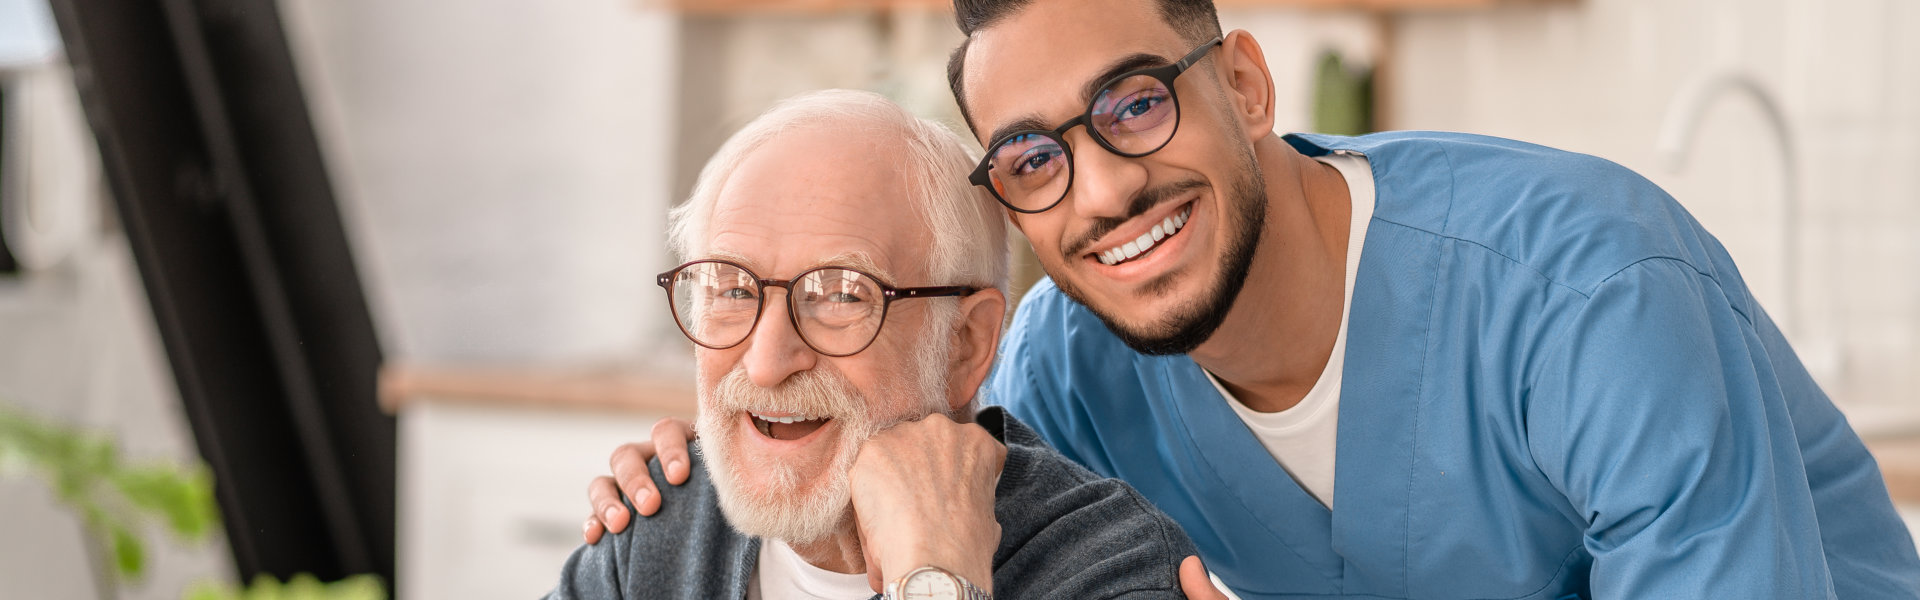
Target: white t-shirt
782	575
1302	438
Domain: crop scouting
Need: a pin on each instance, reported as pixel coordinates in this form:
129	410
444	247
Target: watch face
930	584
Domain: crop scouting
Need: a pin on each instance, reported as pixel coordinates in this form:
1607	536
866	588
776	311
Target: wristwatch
933	583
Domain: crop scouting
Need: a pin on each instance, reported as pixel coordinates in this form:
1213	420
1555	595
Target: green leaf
304	586
359	587
184	497
264	587
128	554
207	589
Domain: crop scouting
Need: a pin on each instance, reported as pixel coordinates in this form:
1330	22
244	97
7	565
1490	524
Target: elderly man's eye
739	293
845	297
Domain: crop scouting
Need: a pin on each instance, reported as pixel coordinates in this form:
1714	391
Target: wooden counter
1899	460
527	387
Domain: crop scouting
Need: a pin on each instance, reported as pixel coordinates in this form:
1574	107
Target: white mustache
814	393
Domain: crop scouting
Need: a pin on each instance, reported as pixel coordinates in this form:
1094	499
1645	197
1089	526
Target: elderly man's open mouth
786	425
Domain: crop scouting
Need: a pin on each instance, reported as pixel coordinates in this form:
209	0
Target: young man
818	368
1407	365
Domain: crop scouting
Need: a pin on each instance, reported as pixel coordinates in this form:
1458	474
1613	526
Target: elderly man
812	234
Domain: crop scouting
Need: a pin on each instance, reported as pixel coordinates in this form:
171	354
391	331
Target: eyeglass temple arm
1198	53
935	291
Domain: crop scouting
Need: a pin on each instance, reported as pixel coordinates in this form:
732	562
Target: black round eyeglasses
838	311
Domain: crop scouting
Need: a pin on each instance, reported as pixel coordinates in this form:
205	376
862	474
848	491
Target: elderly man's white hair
969	229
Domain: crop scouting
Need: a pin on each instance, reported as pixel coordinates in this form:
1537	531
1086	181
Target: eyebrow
1123	65
856	260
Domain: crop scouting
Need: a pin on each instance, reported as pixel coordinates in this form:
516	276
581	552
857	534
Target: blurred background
373	276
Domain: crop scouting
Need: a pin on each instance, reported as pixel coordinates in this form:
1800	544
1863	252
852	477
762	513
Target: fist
923	495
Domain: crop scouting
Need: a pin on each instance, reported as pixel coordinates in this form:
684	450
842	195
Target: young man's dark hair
1195	20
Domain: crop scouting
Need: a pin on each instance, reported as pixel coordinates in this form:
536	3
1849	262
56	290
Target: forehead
814	195
1038	60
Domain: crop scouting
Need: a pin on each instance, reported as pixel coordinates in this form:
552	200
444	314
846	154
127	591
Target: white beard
790	507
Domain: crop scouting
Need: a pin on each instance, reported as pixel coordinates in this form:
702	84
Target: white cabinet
492	491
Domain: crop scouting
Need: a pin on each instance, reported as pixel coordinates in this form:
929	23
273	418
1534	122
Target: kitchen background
503	169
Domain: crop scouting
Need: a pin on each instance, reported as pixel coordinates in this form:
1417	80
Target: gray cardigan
1065	533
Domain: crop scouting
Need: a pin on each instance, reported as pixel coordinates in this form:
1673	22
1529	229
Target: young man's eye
1035	160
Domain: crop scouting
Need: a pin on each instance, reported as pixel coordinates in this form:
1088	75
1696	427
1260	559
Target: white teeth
786	420
1146	241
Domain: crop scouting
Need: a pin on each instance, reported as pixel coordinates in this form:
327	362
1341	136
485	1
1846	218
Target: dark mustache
1142	202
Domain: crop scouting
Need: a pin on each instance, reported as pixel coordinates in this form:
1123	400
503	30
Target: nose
775	351
1104	183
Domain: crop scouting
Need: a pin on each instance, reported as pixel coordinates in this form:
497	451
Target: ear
974	343
1248	83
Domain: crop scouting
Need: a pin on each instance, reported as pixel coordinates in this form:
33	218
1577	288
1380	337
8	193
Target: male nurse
1404	365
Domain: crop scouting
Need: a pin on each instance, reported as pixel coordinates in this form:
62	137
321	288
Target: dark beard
1193	324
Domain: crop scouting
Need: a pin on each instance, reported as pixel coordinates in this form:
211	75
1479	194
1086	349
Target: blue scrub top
1556	384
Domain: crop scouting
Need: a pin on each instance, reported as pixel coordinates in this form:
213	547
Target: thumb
1194	582
873	572
866	553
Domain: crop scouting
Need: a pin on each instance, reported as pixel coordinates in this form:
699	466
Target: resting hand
1195	583
923	496
629	463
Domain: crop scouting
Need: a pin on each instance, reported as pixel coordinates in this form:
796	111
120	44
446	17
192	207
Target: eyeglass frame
888	294
1166	74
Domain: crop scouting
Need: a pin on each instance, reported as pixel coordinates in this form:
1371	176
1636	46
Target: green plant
114	499
117	501
301	587
1342	96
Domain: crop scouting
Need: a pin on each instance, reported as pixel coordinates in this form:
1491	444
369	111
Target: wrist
935	583
975	567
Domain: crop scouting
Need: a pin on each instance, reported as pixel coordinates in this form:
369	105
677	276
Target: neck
1271	350
839	552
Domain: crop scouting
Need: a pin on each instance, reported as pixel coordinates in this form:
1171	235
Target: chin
784	513
796	499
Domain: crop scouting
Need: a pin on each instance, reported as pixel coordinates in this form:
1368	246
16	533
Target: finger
670	437
1194	582
607	509
592	530
629	464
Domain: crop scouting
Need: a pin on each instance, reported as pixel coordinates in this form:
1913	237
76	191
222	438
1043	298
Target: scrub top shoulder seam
1717	285
1496	252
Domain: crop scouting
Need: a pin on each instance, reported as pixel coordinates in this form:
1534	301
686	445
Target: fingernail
641	496
674	464
611	513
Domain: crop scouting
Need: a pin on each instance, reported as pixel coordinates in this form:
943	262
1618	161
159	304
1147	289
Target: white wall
504	168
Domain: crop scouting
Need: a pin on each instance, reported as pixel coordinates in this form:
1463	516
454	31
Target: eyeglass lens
1132	117
837	311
